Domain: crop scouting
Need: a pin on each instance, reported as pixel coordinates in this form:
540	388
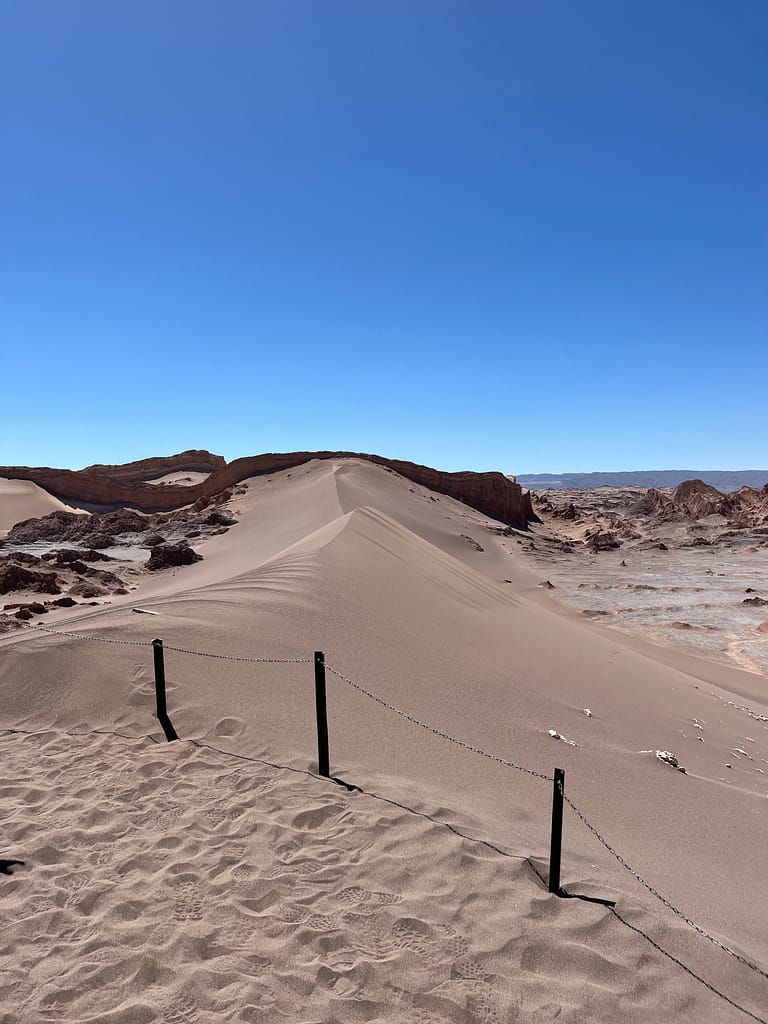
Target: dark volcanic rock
24	559
84	588
166	555
55	526
123	520
16	577
758	602
99	539
64	556
219	518
80	568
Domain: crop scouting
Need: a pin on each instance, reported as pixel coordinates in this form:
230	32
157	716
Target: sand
21	499
262	894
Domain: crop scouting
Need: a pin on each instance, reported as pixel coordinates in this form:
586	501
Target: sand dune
21	499
387	579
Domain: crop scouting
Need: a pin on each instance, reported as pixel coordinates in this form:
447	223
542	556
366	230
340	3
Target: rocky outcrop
94	532
121	486
601	540
166	555
694	499
18	577
653	503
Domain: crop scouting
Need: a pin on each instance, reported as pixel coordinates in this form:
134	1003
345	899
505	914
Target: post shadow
7	866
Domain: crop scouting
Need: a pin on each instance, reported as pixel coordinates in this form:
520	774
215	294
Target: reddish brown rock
602	540
491	493
152	469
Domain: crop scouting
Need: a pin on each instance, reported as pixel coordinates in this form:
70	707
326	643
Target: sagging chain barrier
321	666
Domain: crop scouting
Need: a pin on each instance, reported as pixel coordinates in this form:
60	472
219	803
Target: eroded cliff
121	486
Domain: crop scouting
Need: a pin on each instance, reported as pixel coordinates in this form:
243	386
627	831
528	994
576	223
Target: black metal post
162	710
321	712
556	844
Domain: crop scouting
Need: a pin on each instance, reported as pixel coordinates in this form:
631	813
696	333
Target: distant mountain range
724	480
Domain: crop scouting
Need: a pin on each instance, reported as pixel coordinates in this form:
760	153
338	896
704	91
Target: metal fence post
160	704
157	648
321	713
556	843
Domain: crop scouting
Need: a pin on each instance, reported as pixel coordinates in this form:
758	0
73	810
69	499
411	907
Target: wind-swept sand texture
255	894
22	499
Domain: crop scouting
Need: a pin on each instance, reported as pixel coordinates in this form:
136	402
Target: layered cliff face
117	486
192	461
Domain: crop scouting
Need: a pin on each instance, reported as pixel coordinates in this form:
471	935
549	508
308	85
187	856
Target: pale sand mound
21	499
174	884
182	478
347	558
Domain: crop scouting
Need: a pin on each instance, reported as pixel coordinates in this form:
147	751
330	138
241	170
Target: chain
442	735
176	650
85	636
235	657
438	732
654	892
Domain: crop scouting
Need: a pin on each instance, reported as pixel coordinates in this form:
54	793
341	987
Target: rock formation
152	469
693	499
121	486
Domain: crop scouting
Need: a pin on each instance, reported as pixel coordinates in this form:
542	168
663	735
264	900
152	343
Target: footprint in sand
188	904
482	1008
435	943
365	902
76	888
164	818
292	914
218	812
316	816
180	1011
229	728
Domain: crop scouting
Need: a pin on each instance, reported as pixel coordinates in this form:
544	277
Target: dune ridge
492	493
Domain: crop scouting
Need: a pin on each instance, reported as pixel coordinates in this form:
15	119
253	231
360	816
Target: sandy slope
21	499
380	574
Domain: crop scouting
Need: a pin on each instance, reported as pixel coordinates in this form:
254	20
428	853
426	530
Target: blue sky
517	236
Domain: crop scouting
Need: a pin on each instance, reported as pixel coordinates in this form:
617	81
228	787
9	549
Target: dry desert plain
218	879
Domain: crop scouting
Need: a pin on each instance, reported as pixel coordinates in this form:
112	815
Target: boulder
166	555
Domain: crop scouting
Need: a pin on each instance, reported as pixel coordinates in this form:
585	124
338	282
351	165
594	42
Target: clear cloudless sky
527	236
